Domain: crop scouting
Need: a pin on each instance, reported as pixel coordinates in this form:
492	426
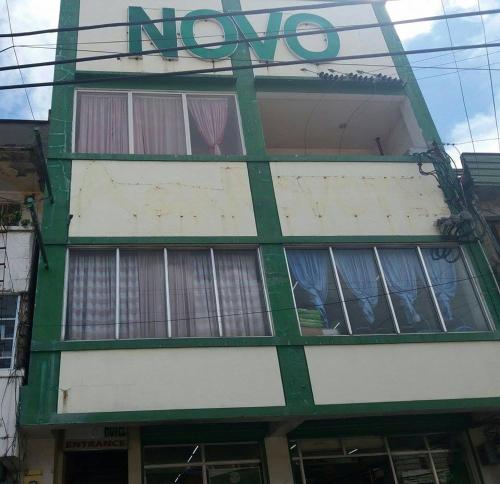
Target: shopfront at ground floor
436	449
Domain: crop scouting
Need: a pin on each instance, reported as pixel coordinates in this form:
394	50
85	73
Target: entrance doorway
96	467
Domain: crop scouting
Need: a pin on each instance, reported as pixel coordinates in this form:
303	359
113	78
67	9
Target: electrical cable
244	40
236	13
262	65
17	61
491	77
459	80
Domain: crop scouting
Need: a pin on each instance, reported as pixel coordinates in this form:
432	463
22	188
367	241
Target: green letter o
291	27
209	53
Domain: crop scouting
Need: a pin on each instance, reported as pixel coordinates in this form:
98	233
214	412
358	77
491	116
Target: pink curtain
210	115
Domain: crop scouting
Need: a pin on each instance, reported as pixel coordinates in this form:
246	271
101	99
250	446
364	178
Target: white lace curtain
102	122
91	295
159	125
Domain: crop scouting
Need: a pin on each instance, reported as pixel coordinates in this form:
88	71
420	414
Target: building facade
21	175
247	281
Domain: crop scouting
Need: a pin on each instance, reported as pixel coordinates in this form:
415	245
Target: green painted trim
291	341
260	240
203	433
249	158
316	85
39	398
190	83
386	426
263	413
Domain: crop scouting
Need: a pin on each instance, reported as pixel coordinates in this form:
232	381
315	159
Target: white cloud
28	15
483	131
407	9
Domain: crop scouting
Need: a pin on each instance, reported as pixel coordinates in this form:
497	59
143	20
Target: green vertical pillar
294	372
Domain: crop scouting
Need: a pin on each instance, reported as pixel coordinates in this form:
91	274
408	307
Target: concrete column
134	456
278	460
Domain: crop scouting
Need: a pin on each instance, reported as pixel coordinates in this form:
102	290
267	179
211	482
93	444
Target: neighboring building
481	181
246	278
21	172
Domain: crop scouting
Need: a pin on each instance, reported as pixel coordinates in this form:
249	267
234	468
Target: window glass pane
181	475
234	474
352	470
231	452
363	291
102	122
143	312
315	290
364	445
441	441
6	342
214	125
159	125
324	447
406	443
459	304
192	294
413	469
172	455
91	295
8	306
241	295
409	291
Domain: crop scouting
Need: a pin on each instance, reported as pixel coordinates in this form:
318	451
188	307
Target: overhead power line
262	65
310	6
17	61
283	35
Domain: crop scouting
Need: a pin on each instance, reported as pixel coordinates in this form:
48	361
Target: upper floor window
149	123
9	310
130	293
385	290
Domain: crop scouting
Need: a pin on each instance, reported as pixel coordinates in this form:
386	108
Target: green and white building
246	279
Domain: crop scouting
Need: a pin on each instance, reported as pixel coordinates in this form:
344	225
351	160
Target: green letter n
166	42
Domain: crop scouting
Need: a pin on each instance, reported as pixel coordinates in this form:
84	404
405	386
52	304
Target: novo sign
232	27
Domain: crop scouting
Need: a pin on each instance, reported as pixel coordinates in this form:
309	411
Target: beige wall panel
39	459
356	199
109	11
112	198
406	372
351	42
169	379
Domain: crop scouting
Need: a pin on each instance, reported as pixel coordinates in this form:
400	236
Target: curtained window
165	293
214	125
156	123
385	290
102	122
159	125
91	311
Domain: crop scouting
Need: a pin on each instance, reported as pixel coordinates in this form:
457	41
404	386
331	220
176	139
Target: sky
440	86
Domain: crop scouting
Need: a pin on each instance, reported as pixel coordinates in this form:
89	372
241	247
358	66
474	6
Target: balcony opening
339	124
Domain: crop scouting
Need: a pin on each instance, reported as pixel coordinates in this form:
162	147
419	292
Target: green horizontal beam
56	346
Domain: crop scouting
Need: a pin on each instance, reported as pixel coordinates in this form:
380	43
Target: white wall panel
112	198
169	379
356	199
403	373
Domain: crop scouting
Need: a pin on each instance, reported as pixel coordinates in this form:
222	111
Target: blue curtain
310	270
444	281
360	275
401	267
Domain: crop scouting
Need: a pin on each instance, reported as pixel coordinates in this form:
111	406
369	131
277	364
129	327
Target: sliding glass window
150	123
383	290
160	293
